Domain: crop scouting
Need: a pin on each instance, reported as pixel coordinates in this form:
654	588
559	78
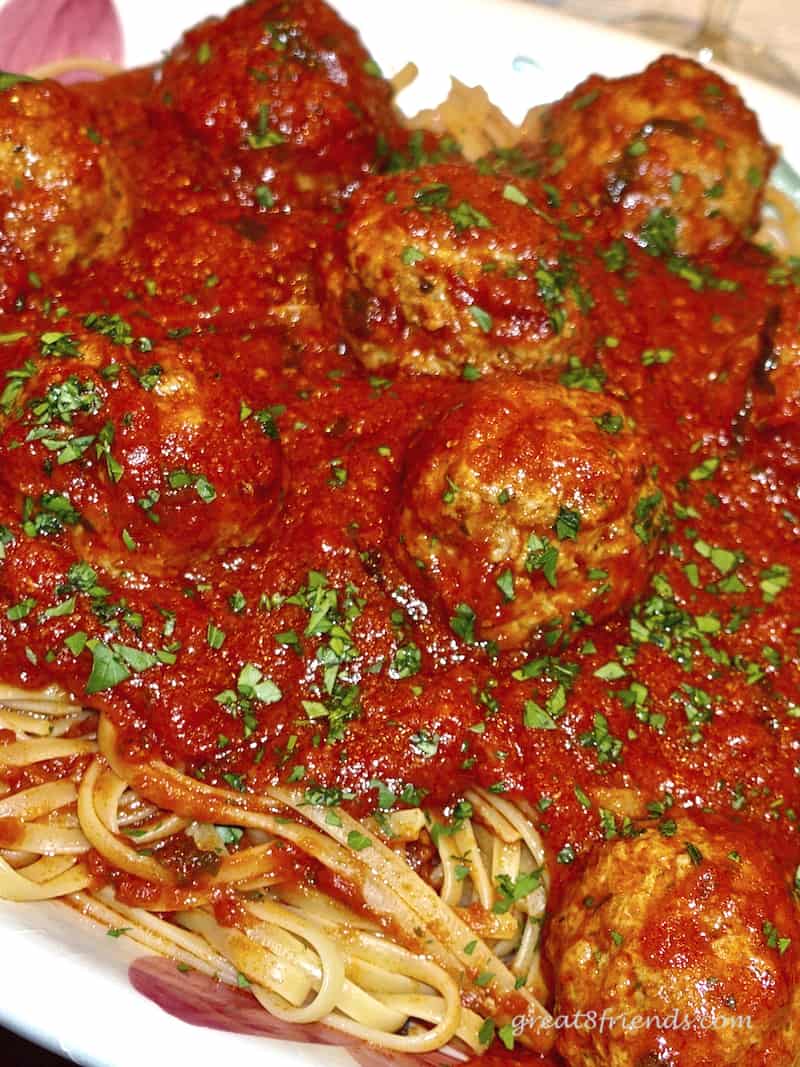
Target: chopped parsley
567	524
505	583
465	217
252	688
425	743
264	137
463	622
183	479
406	661
600	738
54	514
15	383
542	556
358	841
512	891
579	376
482	318
608	422
113	664
59	344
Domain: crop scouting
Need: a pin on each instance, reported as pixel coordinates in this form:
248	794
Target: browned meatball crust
527	503
131	452
681	923
445	267
675	139
63	199
288	89
210	266
776	393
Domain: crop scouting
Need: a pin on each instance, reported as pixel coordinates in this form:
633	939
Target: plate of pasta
399	448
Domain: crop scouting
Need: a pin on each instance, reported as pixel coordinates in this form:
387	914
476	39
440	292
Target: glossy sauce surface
260	620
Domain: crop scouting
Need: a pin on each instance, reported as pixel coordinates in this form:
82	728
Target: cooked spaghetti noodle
306	957
98	68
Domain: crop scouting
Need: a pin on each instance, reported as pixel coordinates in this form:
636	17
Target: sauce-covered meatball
527	503
690	928
63	199
201	269
130	453
676	140
447	267
287	88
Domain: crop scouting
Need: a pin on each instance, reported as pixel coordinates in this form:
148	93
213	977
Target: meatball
528	503
238	273
63	200
676	140
689	927
445	267
130	454
776	394
287	88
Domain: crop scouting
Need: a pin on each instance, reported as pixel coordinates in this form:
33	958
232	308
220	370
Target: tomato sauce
306	654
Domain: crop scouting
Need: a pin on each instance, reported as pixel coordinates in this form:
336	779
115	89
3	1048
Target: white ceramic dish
63	982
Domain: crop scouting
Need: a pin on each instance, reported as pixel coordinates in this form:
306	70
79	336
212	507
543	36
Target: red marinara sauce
204	465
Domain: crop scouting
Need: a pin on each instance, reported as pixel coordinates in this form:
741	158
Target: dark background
13	1050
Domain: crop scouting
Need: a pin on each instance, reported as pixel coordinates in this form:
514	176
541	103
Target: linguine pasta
389	975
